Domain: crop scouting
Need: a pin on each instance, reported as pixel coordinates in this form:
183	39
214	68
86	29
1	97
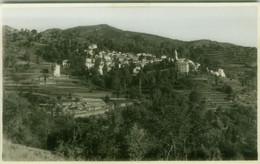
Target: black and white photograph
129	82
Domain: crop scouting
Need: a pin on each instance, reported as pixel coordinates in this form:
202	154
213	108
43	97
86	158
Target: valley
101	93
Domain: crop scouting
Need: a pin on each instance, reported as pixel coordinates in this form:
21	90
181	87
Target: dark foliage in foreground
166	128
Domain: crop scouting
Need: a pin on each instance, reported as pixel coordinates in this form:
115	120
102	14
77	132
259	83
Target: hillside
100	93
8	29
55	45
17	152
107	37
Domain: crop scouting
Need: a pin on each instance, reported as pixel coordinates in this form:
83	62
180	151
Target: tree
38	36
15	115
140	76
137	142
15	37
26	57
195	97
37	59
228	89
45	73
9	60
116	81
216	79
34	32
107	99
174	126
126	77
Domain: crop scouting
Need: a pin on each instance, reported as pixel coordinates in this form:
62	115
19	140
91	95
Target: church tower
176	63
175	59
176	55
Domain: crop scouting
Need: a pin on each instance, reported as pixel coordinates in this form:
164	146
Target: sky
236	25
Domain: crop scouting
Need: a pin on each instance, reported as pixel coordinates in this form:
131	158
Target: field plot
64	86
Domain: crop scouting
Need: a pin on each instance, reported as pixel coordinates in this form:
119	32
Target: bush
107	99
228	89
194	97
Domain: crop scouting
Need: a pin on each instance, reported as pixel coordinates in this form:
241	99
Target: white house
136	70
197	66
139	54
89	63
157	60
92	46
193	65
221	72
163	57
90	52
182	64
107	58
108	62
100	69
56	71
65	63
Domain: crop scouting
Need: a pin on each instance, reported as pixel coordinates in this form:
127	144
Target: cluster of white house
82	106
109	59
140	60
220	72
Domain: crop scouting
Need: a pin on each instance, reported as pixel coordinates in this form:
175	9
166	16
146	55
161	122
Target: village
109	60
80	106
78	100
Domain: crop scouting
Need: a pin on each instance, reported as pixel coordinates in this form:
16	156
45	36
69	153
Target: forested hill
62	44
109	37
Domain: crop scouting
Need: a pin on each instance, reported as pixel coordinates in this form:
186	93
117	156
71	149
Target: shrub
194	97
228	89
107	99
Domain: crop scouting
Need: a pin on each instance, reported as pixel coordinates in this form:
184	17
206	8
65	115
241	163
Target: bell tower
176	55
176	63
175	59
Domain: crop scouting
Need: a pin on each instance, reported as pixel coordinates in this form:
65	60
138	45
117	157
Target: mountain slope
212	54
64	43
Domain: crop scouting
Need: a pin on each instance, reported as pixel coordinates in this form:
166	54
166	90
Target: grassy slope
16	152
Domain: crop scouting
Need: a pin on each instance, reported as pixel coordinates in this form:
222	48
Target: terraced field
135	91
55	86
32	80
213	98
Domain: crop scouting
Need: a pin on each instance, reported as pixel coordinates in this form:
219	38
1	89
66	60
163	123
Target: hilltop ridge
109	28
